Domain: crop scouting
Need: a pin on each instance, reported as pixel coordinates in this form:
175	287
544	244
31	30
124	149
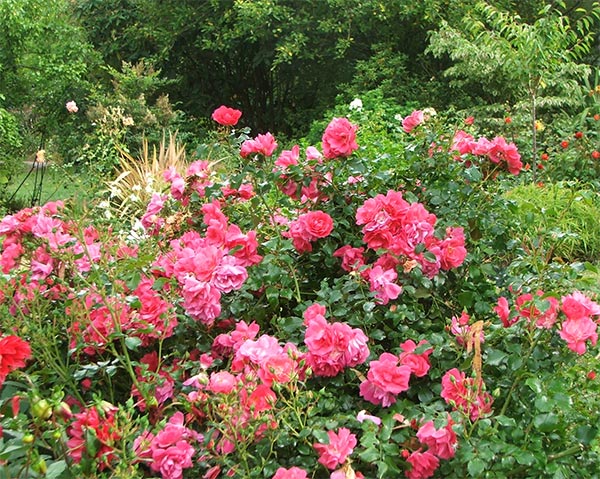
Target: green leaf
524	457
475	467
543	403
506	421
132	343
134	280
545	422
369	455
586	434
55	469
495	357
534	384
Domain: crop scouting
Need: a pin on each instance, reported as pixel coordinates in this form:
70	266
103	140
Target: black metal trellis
38	167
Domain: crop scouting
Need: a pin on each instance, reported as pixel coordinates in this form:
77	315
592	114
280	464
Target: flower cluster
466	394
576	329
169	451
94	434
403	235
389	375
498	150
205	267
332	346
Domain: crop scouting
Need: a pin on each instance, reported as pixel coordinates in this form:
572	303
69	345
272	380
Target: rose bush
310	313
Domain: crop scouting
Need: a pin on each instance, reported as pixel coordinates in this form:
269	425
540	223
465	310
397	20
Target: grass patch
39	186
565	219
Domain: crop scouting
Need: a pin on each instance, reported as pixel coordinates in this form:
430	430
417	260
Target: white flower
429	112
356	104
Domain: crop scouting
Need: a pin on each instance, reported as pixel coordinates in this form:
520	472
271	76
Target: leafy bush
305	313
10	143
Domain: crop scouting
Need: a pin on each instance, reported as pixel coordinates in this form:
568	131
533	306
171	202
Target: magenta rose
339	138
226	116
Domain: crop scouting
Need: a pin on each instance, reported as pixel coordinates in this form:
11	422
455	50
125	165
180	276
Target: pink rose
317	224
226	116
418	363
385	380
172	460
341	445
413	120
292	473
222	382
262	144
339	138
72	107
441	442
577	305
423	465
577	331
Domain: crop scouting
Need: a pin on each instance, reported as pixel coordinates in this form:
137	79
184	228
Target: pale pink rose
72	107
339	138
228	276
226	116
577	331
341	445
222	382
313	154
481	147
363	416
410	122
382	283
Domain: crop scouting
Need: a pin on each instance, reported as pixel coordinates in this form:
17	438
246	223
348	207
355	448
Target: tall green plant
529	66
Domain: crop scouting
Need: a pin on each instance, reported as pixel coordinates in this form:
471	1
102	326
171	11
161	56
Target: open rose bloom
226	116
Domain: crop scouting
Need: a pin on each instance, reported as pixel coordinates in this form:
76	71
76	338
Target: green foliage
10	144
560	218
531	67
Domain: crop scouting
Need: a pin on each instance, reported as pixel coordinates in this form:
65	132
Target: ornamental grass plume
138	179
